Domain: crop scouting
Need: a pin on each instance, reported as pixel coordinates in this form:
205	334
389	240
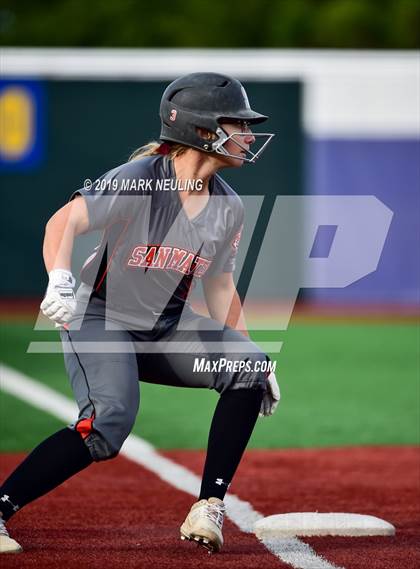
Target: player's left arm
223	301
225	306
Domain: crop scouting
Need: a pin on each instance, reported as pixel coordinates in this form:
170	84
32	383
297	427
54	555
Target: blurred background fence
346	123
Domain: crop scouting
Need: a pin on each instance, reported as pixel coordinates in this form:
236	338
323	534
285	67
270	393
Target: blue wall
390	170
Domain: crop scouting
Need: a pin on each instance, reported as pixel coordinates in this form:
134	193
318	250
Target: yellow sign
16	123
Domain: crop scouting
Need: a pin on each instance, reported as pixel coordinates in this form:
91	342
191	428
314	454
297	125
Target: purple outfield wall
390	170
362	121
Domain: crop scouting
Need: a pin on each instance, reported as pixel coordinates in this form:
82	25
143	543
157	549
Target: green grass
342	384
22	426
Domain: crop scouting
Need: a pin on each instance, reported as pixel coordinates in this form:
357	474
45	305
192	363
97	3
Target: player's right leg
52	462
105	384
103	372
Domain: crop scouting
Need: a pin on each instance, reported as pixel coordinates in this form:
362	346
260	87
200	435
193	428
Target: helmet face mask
206	101
251	157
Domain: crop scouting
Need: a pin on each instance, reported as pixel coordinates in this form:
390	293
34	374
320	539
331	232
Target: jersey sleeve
110	199
225	259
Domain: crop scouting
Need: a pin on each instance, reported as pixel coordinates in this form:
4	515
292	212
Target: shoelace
215	513
3	530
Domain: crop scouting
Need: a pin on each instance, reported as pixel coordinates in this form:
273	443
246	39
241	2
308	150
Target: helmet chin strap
251	157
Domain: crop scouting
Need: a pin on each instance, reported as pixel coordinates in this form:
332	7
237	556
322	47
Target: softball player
168	221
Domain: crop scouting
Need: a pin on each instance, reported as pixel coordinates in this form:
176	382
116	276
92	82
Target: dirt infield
119	515
379	481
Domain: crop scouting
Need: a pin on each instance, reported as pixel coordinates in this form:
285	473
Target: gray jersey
151	253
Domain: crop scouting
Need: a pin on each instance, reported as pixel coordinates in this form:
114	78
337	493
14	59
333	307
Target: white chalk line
289	550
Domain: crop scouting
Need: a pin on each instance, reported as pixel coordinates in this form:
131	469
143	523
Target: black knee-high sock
232	425
52	462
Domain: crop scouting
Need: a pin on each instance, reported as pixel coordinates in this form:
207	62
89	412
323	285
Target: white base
313	524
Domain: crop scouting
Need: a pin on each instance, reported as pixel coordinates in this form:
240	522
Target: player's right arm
89	209
68	222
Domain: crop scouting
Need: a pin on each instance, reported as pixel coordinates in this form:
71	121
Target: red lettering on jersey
236	240
137	258
161	258
200	267
148	260
166	257
176	259
185	266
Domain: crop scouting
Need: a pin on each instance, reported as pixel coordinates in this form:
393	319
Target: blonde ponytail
154	147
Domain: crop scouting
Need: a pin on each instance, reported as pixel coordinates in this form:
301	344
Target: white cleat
204	524
7	544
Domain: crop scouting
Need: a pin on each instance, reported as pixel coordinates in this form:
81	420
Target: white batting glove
59	303
271	397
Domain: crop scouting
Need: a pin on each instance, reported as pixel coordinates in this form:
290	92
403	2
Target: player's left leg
231	428
234	372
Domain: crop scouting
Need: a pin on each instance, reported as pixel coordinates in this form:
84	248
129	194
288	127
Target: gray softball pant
105	366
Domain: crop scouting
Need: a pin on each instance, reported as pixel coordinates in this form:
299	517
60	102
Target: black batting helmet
203	100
